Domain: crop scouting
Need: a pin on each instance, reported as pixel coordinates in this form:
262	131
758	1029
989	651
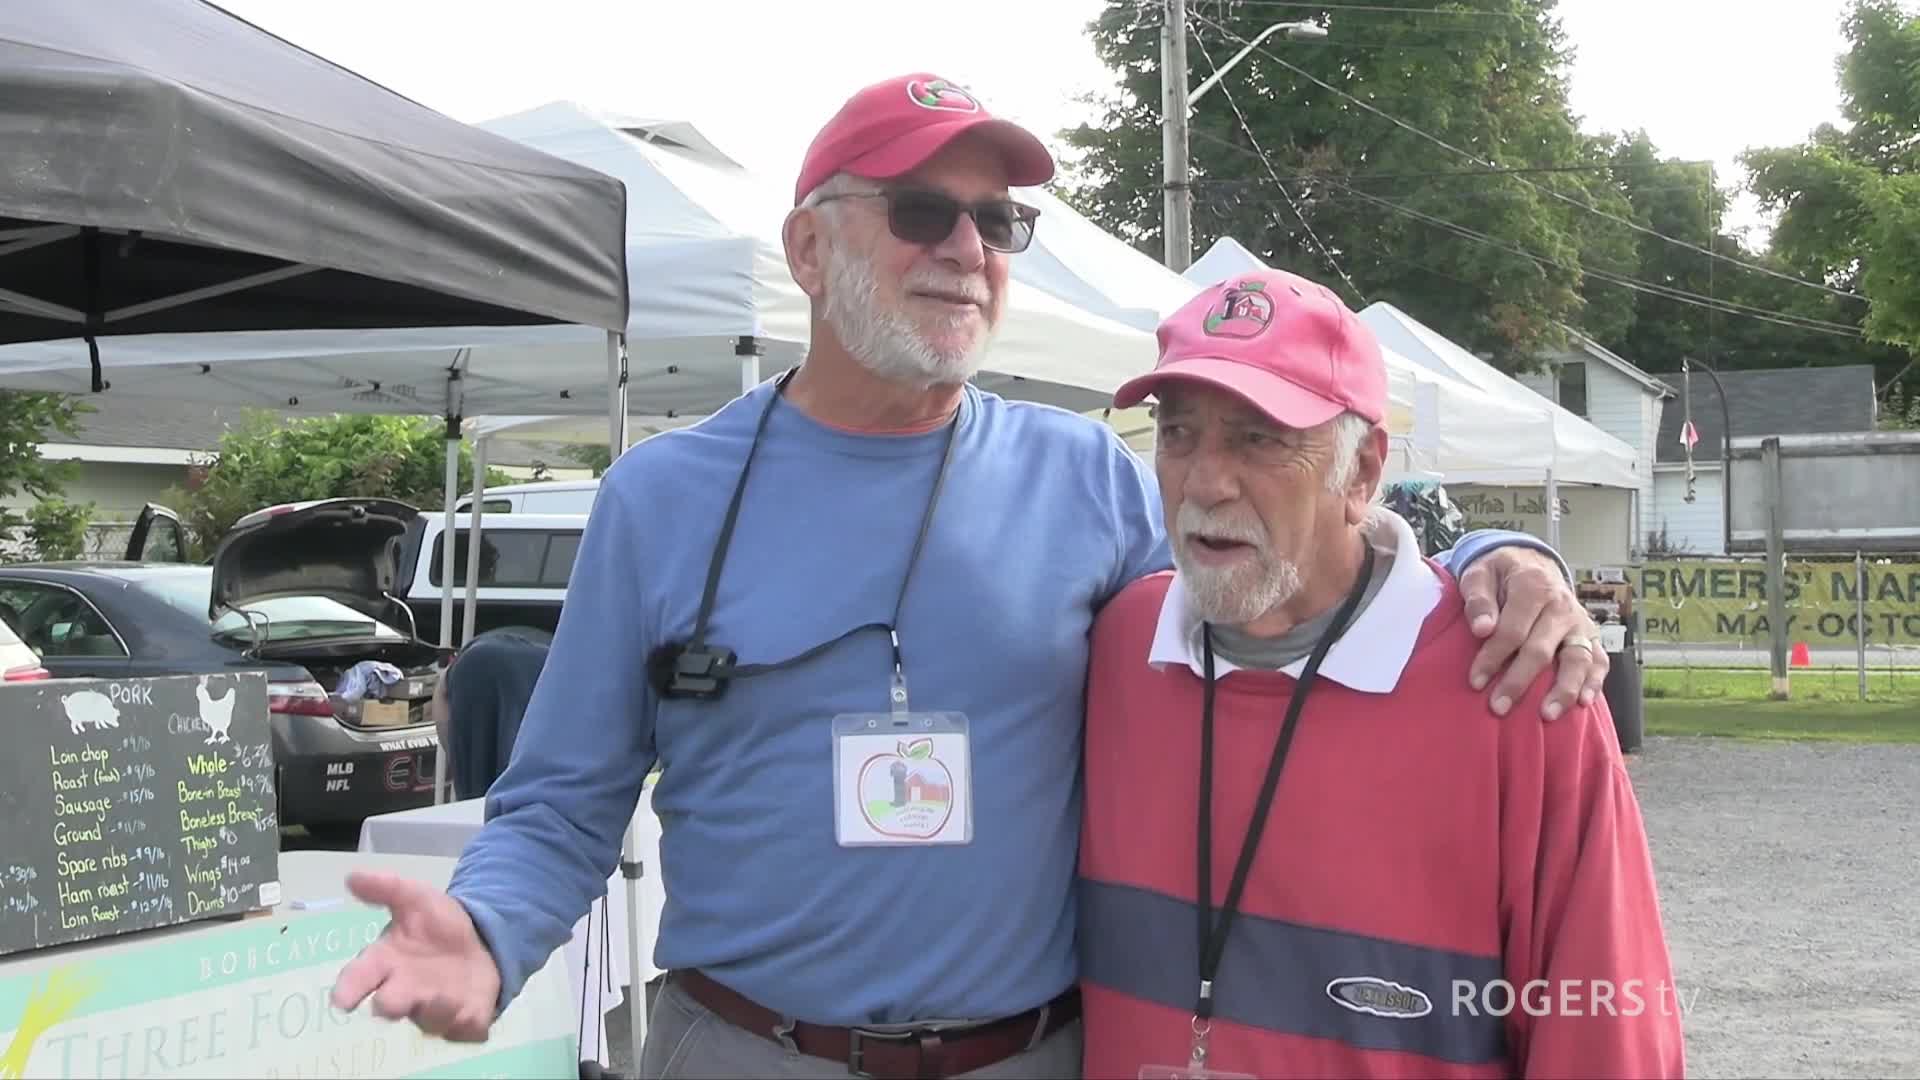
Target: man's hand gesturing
429	965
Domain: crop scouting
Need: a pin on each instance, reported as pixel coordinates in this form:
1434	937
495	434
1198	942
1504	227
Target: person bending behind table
1371	909
481	698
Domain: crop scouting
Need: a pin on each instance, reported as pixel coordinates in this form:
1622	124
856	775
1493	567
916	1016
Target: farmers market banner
1707	601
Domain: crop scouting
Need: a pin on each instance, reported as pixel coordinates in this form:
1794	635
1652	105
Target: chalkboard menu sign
133	804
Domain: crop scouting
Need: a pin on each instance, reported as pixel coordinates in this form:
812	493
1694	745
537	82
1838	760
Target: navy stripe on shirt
1368	993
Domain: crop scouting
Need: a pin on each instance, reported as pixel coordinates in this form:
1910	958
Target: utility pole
1776	564
1177	220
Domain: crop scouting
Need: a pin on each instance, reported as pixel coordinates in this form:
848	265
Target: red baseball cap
889	128
1288	346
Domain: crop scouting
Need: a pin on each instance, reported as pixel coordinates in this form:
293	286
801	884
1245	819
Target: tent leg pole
748	350
452	489
631	869
616	395
471	613
1553	511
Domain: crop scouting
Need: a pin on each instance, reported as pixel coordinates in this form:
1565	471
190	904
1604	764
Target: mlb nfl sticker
902	781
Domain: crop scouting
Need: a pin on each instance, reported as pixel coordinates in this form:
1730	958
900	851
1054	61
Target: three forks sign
133	804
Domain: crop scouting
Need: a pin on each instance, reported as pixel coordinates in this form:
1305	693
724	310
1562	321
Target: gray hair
840	183
1350	431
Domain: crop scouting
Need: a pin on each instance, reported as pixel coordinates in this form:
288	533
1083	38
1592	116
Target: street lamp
1176	104
1294	31
1726	451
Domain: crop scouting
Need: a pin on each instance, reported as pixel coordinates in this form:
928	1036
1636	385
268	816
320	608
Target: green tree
594	456
1684	201
1901	411
1849	199
1492	259
58	529
269	459
26	421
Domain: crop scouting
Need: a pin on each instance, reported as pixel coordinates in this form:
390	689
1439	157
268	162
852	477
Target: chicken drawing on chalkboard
216	713
89	709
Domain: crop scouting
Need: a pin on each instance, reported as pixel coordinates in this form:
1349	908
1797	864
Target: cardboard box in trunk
384	713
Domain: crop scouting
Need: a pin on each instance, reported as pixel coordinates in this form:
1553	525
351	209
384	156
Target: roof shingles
1773	401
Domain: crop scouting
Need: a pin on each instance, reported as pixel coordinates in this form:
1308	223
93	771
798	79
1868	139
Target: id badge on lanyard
1196	1066
1213	935
902	778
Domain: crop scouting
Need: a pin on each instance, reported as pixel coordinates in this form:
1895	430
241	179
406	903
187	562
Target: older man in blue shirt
867	567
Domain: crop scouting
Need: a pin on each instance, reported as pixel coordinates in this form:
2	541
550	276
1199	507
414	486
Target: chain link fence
103	541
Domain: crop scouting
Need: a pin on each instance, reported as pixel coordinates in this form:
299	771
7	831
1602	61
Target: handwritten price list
145	803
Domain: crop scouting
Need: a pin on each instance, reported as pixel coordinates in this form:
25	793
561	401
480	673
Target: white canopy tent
1439	424
1583	453
710	297
1535	442
1225	258
706	271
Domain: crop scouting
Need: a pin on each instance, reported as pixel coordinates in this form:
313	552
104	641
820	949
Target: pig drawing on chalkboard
216	713
89	709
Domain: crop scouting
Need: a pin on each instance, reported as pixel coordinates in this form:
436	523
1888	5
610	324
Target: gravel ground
1787	874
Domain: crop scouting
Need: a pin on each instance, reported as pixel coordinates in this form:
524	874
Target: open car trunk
347	551
397	705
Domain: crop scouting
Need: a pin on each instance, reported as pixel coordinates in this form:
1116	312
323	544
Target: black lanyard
726	537
1213	938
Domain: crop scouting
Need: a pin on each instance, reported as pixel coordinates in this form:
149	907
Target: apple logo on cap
943	95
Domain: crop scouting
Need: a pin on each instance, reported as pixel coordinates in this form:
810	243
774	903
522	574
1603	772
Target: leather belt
925	1052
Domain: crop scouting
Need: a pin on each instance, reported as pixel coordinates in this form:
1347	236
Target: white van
525	560
539	497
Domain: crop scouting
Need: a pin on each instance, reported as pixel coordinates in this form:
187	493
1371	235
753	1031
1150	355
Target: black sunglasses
918	216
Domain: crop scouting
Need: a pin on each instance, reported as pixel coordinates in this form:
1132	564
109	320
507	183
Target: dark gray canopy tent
168	167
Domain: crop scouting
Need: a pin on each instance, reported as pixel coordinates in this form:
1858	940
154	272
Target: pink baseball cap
889	128
1290	347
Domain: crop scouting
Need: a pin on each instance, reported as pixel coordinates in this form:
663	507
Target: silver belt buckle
857	1053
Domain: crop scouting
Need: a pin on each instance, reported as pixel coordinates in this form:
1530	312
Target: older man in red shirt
1425	889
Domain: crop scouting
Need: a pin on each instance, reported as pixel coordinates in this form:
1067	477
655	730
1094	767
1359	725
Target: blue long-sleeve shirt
1045	515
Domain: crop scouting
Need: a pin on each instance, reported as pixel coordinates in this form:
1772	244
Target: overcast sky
1705	78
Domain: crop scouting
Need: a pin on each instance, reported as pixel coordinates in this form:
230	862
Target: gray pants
686	1040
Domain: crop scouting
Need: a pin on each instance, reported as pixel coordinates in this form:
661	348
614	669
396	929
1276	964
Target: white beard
887	342
1236	596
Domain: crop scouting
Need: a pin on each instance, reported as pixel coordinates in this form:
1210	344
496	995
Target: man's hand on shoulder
429	965
1521	605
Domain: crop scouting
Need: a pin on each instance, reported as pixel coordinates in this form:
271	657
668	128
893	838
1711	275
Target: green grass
1823	704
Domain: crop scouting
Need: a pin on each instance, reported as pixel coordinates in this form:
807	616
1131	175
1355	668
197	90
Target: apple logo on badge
907	794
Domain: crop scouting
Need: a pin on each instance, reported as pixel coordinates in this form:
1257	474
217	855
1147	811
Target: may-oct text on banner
1724	601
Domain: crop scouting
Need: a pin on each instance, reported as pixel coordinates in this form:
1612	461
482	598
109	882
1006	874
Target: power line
1712	304
1681	296
1472	195
1497	171
1725	307
1297	211
1590	208
1381	8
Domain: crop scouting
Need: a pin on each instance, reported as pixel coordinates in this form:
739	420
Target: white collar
1373	652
